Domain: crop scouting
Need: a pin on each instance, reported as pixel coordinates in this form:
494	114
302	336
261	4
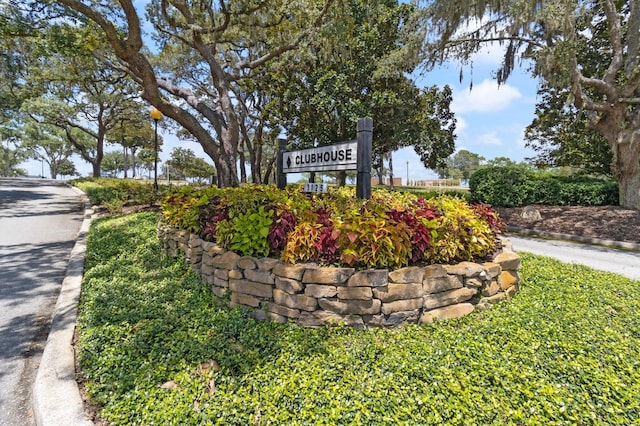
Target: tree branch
107	26
615	38
460	41
293	45
609	90
584	102
214	116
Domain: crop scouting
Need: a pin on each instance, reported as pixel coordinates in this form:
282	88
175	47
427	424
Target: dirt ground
604	222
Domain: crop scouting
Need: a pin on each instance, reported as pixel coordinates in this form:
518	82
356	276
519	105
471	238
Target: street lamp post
156	115
407	173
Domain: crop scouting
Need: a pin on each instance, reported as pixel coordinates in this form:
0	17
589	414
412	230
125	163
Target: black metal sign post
281	177
365	139
352	155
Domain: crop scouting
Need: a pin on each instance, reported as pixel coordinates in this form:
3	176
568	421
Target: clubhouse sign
342	156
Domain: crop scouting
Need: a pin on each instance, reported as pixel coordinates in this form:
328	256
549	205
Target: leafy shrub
211	215
119	192
247	232
515	185
490	216
302	242
284	222
181	208
373	240
585	191
428	193
114	205
421	224
461	233
501	186
390	230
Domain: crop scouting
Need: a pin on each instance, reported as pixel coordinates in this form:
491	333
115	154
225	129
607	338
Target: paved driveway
39	221
626	263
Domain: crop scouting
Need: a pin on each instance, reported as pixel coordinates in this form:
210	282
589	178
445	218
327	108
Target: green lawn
157	348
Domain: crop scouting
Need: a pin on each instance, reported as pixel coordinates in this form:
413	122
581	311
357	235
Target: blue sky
490	119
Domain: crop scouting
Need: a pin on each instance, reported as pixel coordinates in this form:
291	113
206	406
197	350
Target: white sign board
316	187
342	156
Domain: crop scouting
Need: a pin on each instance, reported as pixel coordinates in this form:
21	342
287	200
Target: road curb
574	238
56	397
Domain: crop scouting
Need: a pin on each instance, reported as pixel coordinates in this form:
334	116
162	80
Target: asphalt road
39	221
622	262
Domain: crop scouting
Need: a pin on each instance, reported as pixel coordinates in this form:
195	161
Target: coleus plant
389	230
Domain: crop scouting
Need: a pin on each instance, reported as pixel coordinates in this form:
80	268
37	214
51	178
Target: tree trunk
126	161
229	136
133	162
390	171
627	168
630	191
253	147
97	160
243	165
269	172
256	163
95	168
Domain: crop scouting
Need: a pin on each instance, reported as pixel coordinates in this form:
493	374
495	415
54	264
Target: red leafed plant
326	244
496	224
283	223
210	216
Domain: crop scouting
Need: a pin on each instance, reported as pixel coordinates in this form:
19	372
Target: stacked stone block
313	295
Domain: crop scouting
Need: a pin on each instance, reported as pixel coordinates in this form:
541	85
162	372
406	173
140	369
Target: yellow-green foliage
115	193
181	208
247	232
460	233
302	243
371	241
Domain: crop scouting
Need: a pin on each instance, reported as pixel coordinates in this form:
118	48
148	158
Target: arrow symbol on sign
288	162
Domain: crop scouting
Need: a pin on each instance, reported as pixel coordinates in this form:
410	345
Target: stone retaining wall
314	295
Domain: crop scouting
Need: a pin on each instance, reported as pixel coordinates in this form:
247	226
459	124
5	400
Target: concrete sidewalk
56	397
596	256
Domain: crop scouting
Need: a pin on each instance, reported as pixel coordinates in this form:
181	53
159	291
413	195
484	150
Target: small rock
530	214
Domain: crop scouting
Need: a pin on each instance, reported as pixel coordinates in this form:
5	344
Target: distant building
386	181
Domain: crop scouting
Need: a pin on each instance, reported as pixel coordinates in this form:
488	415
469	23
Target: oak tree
551	33
206	48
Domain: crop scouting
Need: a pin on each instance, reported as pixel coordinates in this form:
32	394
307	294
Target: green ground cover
157	348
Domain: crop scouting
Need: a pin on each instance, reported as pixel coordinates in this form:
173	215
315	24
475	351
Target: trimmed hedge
429	193
116	193
514	186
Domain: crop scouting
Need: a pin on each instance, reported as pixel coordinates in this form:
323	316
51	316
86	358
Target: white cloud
520	140
490	54
484	97
490	138
461	126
